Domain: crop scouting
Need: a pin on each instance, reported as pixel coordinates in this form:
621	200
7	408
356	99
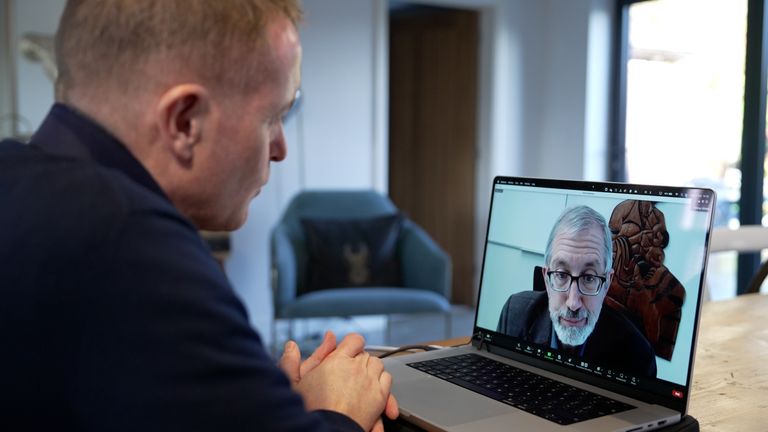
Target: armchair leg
448	324
388	330
273	349
291	333
276	336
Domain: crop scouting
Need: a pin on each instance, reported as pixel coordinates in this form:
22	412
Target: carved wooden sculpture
642	287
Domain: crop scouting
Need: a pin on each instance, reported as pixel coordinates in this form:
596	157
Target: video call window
638	312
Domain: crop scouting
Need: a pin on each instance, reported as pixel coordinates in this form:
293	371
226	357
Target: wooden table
730	376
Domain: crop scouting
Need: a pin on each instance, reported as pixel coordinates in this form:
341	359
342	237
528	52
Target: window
681	110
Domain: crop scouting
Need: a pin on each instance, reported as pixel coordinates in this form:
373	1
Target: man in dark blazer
569	316
114	316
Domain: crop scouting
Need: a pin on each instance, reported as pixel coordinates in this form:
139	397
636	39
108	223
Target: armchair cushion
366	301
360	252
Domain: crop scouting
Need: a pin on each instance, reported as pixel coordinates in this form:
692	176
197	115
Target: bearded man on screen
569	316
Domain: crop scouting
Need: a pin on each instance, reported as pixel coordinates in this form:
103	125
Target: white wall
34	91
6	72
543	106
573	123
560	63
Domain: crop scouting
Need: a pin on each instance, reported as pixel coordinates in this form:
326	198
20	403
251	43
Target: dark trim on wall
753	135
617	163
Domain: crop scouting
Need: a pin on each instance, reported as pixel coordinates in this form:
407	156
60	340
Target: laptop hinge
481	340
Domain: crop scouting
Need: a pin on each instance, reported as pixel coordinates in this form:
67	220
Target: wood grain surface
730	375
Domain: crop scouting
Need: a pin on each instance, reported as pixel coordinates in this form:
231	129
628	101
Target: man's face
573	314
250	133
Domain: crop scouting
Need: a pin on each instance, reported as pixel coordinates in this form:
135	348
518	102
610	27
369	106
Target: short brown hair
109	41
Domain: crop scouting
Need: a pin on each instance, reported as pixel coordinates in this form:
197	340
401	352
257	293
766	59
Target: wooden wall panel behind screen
432	132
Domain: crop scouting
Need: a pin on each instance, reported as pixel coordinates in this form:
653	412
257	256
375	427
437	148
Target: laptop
574	343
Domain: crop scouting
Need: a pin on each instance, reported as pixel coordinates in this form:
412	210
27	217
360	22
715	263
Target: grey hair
577	219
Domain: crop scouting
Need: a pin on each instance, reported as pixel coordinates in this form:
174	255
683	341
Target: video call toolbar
563	359
569	360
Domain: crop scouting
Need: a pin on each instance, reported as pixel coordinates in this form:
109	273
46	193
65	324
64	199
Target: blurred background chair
424	268
746	238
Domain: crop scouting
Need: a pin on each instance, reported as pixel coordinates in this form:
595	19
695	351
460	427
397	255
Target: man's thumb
291	361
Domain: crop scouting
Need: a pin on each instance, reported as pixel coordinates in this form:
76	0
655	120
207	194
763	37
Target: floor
402	329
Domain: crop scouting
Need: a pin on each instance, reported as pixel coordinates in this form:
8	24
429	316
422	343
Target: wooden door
432	130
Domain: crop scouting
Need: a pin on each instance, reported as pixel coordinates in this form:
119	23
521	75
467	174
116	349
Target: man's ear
608	279
183	113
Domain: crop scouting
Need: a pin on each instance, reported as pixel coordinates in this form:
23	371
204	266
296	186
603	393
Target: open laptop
536	361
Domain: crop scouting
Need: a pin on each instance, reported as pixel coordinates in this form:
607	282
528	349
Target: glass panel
685	91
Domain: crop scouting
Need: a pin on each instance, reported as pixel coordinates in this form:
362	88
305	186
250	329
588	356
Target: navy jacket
113	314
615	342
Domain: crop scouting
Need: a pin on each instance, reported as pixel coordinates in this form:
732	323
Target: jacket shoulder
67	206
519	310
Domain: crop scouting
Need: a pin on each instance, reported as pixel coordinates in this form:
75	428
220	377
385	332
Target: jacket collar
70	133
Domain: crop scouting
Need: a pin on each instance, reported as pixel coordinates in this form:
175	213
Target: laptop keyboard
547	398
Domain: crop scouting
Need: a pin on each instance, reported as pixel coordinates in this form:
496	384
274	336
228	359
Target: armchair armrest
284	269
424	264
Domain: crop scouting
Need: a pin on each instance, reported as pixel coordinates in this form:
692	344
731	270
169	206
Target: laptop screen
599	278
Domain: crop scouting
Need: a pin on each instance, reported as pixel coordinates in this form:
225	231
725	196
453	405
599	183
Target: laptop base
687	424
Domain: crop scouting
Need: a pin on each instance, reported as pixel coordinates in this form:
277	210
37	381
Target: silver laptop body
660	239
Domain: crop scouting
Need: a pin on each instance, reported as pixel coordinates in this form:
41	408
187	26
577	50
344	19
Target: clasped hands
342	378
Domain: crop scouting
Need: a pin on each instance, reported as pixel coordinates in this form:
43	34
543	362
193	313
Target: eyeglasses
588	284
295	106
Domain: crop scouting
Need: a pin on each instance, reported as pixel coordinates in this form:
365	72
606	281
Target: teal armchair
425	269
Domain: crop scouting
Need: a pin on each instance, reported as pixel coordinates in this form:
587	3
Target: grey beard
572	336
